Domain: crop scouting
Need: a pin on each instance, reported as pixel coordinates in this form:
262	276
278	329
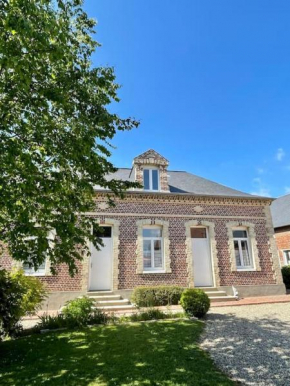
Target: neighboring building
180	229
280	209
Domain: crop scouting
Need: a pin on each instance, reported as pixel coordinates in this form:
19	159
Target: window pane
237	253
147	253
104	232
157	254
240	233
198	233
146	179
287	256
246	254
152	232
155	180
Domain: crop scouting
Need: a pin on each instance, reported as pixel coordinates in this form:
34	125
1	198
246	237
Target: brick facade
177	211
282	236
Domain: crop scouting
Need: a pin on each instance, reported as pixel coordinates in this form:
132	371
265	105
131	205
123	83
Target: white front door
202	267
101	262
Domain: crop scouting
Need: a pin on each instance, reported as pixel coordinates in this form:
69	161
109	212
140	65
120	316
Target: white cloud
262	192
287	189
260	170
257	180
280	154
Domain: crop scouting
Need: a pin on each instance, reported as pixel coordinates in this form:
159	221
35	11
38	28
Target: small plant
195	302
156	296
19	296
78	312
51	322
286	275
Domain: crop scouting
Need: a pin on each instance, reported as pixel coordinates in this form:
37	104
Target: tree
55	130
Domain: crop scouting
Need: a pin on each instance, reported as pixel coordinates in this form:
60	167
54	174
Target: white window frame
284	251
152	239
239	239
44	270
150	169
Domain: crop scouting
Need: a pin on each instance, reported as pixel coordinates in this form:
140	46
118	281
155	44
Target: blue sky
210	83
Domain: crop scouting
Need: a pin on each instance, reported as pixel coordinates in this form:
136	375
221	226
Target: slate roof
280	209
187	183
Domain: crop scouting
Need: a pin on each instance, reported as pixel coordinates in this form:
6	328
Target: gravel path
251	343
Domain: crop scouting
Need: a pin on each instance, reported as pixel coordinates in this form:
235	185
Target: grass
156	353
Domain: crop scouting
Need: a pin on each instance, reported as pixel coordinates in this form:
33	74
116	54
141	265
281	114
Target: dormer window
151	179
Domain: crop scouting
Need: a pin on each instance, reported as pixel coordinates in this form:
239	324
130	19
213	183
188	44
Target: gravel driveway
251	343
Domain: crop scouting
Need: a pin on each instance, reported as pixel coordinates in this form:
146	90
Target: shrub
195	302
156	296
286	275
81	312
19	295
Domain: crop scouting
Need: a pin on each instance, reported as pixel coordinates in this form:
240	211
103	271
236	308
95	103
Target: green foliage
195	302
55	130
151	314
286	275
81	312
34	291
51	322
19	296
156	296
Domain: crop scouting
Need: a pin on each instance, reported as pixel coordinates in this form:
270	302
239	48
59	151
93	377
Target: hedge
156	296
286	275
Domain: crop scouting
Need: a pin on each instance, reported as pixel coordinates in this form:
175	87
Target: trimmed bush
20	295
286	275
156	296
195	302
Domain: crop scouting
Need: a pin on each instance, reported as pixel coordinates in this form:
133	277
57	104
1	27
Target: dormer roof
151	157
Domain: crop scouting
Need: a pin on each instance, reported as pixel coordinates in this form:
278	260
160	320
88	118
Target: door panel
202	267
101	263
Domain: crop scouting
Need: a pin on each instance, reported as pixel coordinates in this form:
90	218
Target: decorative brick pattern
176	211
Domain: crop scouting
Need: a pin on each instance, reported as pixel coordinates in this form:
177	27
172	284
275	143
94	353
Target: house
178	229
280	209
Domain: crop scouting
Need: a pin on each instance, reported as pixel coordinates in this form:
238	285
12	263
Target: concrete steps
216	295
108	301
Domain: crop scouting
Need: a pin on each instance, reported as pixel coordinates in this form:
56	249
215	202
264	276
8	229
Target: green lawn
158	353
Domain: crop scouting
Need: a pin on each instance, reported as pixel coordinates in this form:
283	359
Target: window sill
153	271
35	274
246	269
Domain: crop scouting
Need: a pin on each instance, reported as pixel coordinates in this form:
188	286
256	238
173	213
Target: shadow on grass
254	350
162	353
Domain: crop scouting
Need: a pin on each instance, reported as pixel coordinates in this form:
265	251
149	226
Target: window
30	271
41	271
286	255
152	249
151	179
242	249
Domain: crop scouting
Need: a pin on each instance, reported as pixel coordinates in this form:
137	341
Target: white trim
252	245
284	257
212	245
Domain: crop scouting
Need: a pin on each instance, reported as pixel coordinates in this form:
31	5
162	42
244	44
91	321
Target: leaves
55	129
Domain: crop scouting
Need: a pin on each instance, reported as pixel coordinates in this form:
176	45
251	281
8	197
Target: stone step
105	303
98	298
118	308
216	293
214	299
205	289
99	293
